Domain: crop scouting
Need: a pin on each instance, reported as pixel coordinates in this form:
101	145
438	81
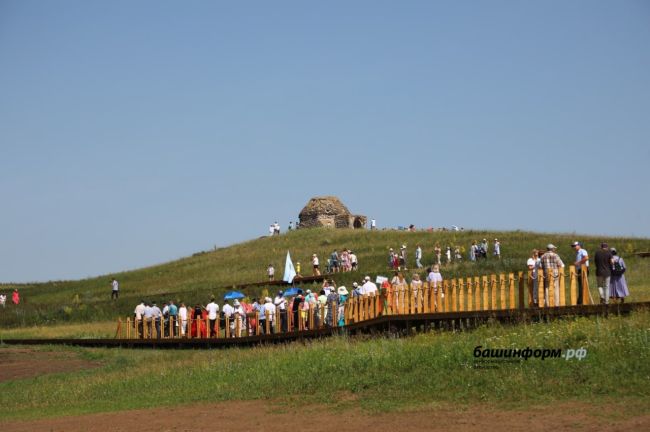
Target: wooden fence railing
478	293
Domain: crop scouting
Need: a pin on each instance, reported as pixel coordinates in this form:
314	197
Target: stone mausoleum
329	211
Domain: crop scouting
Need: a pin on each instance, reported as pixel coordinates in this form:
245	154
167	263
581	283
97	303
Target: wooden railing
478	293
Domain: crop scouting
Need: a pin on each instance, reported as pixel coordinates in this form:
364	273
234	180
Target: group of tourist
610	272
15	298
397	260
343	261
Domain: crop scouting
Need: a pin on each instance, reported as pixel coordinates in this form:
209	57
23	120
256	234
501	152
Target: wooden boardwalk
386	324
397	309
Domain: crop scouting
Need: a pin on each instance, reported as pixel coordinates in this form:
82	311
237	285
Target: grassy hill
196	278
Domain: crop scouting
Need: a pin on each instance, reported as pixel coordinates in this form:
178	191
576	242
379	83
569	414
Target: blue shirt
582	253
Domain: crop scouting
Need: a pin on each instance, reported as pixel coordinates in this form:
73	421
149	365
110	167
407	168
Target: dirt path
22	363
259	415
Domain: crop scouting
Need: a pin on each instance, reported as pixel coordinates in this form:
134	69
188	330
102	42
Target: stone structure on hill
329	211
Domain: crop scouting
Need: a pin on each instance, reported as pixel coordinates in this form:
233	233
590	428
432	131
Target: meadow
378	374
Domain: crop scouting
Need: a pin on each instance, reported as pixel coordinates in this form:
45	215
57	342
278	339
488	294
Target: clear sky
137	132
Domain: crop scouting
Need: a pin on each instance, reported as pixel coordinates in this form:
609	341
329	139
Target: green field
373	374
194	279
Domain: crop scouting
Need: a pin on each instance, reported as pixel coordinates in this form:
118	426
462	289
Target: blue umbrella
292	292
232	295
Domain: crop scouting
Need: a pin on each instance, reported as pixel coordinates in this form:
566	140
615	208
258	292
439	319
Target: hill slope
194	279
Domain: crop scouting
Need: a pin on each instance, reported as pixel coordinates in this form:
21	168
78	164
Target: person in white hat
582	258
269	314
236	325
368	287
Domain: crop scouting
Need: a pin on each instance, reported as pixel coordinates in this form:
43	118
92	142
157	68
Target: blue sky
133	133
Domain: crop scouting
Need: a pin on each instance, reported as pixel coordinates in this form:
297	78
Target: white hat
354	284
268	300
550	246
342	290
235	303
367	278
403	246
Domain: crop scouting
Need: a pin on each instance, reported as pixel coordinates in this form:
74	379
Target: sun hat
354	284
342	290
235	303
550	246
367	278
575	243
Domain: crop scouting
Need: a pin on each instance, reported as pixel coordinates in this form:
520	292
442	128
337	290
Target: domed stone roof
325	205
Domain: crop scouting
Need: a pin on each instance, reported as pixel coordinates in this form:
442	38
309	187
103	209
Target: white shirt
368	288
116	286
139	311
182	312
328	290
269	311
372	222
3	299
212	309
434	277
314	261
280	302
353	258
148	312
228	310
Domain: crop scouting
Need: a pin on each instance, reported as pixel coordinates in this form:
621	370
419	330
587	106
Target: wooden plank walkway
384	324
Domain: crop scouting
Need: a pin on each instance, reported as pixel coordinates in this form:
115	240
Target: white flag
289	271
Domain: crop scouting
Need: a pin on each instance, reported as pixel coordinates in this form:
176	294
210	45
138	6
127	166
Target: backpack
617	268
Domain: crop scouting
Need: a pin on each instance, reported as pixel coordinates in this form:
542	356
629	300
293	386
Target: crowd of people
610	272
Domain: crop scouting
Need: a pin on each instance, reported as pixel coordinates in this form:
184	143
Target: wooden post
573	285
477	293
502	290
551	288
438	300
470	295
531	285
493	288
511	278
227	327
454	296
562	289
426	304
522	283
446	291
585	285
128	328
541	281
486	294
461	295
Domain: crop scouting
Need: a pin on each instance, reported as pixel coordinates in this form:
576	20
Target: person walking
315	265
582	258
418	257
270	272
182	316
15	297
551	262
115	292
534	263
617	284
3	300
497	249
604	260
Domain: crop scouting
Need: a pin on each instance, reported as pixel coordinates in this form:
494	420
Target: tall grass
194	279
376	374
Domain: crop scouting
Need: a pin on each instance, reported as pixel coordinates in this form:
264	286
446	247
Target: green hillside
194	279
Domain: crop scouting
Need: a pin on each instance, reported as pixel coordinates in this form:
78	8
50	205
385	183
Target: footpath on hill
260	415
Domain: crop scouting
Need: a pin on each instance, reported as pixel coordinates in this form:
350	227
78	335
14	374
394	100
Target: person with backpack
617	284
